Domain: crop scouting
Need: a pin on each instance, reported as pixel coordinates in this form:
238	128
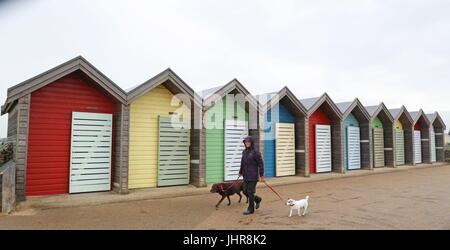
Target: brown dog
226	189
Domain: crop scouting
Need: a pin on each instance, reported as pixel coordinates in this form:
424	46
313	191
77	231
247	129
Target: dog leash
232	184
265	183
273	190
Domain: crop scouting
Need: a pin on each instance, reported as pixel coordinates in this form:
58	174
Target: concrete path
406	197
87	199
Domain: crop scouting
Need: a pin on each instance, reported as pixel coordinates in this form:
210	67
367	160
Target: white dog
298	205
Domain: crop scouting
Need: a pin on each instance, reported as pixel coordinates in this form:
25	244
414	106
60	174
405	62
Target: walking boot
258	203
247	212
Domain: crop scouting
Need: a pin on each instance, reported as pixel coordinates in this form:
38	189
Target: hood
249	138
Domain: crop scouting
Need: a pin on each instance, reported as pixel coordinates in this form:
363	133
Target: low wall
8	187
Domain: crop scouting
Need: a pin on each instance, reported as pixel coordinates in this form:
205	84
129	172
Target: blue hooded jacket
252	165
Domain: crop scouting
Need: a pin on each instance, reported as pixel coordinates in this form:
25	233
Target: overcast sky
392	51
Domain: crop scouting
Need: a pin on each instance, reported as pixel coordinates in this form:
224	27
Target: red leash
273	190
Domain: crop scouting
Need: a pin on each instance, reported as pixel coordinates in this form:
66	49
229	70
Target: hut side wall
122	121
366	138
409	150
301	147
21	148
337	146
439	133
389	147
197	169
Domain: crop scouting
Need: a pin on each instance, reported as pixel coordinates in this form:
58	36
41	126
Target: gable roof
343	106
436	116
209	92
312	104
176	84
49	76
268	100
265	98
416	116
371	109
309	102
397	113
347	107
212	95
374	110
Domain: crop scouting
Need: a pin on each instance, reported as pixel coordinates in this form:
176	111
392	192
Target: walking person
252	169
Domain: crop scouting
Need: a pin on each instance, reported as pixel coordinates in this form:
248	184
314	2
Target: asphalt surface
410	199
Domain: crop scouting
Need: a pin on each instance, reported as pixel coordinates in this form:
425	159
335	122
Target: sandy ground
411	199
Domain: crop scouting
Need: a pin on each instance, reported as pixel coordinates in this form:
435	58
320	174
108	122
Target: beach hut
230	114
421	124
325	135
163	140
403	136
356	135
68	127
437	129
382	136
283	133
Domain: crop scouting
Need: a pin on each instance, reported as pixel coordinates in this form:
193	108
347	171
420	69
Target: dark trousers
250	190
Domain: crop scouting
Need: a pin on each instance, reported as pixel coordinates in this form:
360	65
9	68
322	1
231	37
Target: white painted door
285	149
173	152
417	147
353	148
399	147
378	147
235	132
90	152
323	148
433	145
